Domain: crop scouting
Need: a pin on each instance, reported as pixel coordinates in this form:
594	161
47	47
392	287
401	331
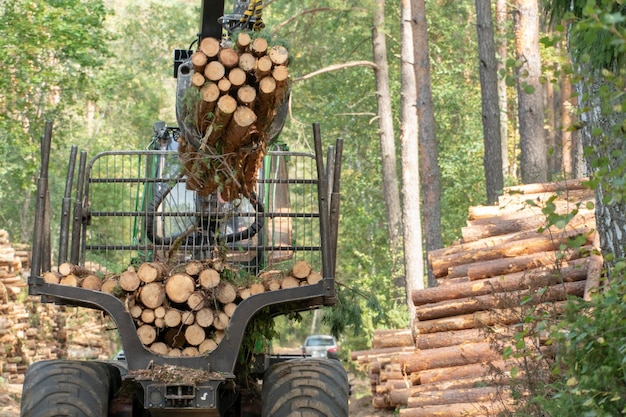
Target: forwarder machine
131	207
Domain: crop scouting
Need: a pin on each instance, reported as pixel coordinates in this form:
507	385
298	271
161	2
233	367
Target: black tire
68	388
311	387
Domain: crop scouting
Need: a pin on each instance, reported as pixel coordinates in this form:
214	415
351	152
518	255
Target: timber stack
234	97
183	310
25	340
524	256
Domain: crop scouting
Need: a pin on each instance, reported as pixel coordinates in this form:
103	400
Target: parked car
320	346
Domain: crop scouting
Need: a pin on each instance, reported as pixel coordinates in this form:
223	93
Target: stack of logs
456	360
228	112
31	331
185	310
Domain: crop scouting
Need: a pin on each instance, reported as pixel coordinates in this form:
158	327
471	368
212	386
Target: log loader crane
244	256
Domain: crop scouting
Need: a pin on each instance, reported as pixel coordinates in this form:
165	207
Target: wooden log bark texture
523	257
234	97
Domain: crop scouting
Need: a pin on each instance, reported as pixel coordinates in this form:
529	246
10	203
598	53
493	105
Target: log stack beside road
515	258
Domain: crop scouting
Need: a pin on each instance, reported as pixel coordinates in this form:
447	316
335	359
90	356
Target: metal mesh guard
140	210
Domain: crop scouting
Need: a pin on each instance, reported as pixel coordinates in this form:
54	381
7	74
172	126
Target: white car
320	346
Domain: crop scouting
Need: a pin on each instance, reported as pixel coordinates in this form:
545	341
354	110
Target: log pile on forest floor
521	258
183	310
31	331
234	97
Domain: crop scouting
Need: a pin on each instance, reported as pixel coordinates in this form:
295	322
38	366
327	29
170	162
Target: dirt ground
360	402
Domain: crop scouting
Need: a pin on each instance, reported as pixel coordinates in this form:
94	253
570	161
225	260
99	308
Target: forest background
102	70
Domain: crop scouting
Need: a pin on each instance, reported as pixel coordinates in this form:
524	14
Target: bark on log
392	338
67	268
457	395
221	320
454	373
263	67
448	356
193	267
224	109
502	300
460	409
152	271
571	271
441	264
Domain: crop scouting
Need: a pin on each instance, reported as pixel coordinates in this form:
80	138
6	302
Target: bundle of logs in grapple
186	309
232	101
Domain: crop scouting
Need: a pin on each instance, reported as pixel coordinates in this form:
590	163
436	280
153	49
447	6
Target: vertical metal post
77	219
64	233
335	197
41	214
322	195
210	12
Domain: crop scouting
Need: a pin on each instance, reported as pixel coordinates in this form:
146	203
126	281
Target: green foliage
590	367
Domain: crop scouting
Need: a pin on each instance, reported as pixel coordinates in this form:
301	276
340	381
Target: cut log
193	267
224	85
279	55
71	280
454	373
256	288
214	71
190	351
67	268
199	60
52	277
188	318
135	311
301	269
457	395
147	316
228	57
194	335
129	280
204	317
246	95
225	293
459	409
229	309
220	322
92	282
236	133
147	334
281	75
209	93
290	282
109	286
313	278
469	305
571	271
210	47
197	80
196	301
237	77
159	312
172	318
247	62
226	106
152	295
464	354
159	348
209	278
208	345
243	41
510	249
179	287
392	338
259	47
263	67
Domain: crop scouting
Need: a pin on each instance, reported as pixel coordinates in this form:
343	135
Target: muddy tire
311	387
68	388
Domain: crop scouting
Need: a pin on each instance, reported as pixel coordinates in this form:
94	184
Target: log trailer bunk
131	206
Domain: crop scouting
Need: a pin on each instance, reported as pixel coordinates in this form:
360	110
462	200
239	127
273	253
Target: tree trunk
492	158
430	174
534	161
411	210
385	126
502	41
